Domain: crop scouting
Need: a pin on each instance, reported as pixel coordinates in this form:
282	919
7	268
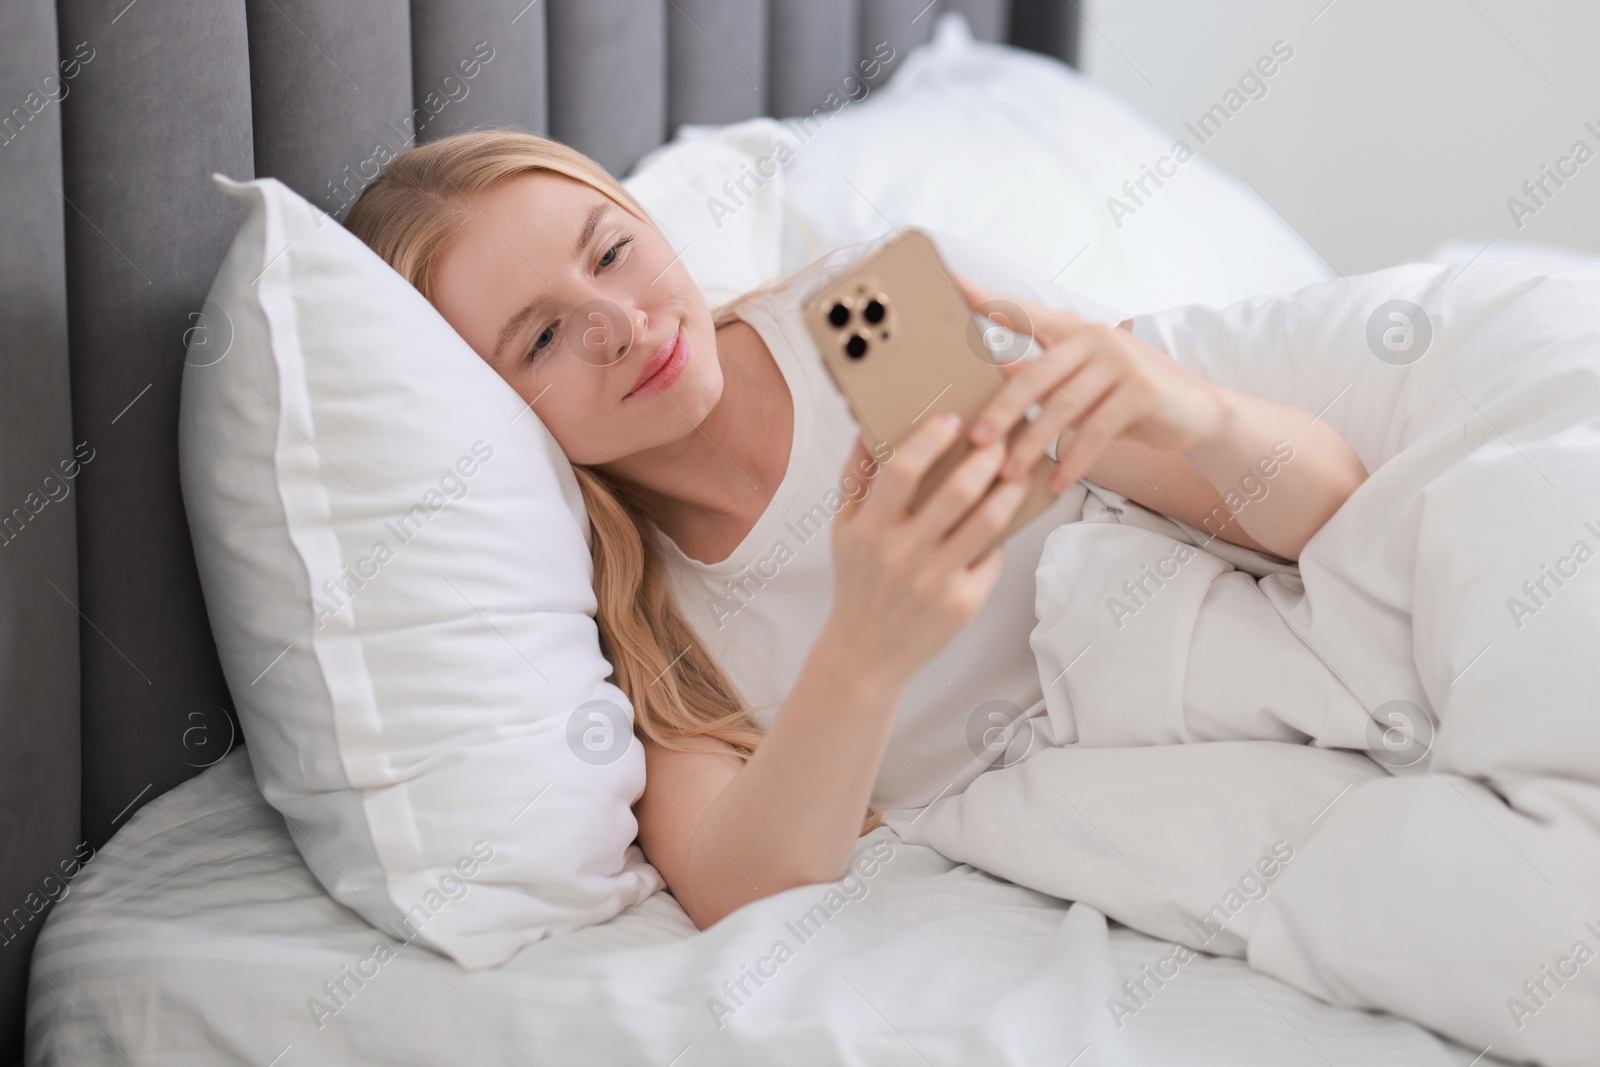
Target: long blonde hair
408	216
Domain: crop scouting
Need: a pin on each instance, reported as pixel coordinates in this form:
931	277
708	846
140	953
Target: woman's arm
723	833
1251	470
1269	481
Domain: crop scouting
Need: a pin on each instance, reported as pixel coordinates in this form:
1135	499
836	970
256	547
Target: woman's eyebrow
590	221
514	326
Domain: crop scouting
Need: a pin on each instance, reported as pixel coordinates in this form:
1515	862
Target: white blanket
198	937
1446	619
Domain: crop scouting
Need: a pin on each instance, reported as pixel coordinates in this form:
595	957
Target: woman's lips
664	367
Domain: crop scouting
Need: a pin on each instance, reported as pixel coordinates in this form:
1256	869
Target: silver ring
1033	412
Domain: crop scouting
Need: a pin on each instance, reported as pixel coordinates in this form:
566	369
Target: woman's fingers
896	481
1111	417
965	483
859	470
1030	383
968	541
1071	405
1047	326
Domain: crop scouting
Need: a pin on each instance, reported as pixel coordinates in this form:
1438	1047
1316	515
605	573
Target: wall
1395	126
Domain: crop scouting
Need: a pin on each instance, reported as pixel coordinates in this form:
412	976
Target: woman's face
586	311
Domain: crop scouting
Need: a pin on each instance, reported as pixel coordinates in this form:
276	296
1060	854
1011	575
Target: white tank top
759	610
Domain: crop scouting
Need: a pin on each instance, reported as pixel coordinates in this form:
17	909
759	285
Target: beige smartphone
901	344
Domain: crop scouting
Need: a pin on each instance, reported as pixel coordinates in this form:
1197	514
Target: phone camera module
874	311
839	314
856	347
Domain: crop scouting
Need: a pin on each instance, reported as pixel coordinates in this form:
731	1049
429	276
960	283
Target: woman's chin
698	390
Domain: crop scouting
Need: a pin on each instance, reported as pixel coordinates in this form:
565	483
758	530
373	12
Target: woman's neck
707	489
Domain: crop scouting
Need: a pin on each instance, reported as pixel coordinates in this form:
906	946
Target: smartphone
900	342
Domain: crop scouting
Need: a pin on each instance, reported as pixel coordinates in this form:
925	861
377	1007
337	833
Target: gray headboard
112	115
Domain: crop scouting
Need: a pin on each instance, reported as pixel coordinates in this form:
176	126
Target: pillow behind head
1024	155
393	552
719	204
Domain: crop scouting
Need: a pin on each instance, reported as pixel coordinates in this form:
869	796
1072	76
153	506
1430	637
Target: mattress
198	936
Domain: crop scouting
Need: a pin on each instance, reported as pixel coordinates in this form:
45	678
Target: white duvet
198	937
1214	705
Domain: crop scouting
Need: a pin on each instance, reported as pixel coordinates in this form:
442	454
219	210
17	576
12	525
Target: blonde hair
408	216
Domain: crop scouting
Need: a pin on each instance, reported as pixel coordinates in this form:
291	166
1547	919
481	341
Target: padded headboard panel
113	113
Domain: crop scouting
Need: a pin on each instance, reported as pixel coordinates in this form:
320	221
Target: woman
708	447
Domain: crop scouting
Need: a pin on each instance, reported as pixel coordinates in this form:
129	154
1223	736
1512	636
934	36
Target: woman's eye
543	341
611	253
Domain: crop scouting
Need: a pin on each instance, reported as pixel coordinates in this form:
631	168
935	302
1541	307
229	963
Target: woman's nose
629	327
604	332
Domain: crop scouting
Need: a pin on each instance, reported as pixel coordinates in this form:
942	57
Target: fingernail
1011	468
949	420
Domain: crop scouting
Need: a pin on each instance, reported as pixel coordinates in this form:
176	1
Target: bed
157	908
198	936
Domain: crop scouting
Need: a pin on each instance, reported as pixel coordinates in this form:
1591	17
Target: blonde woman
798	647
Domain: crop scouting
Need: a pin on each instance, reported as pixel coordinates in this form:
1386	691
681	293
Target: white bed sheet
198	936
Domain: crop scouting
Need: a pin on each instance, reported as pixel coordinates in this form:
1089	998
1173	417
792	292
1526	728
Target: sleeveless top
760	610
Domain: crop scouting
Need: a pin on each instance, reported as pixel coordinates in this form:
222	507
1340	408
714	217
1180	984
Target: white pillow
1020	153
1512	252
393	555
718	204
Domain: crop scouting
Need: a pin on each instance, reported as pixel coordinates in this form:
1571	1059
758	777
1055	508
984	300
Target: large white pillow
729	240
1020	153
393	555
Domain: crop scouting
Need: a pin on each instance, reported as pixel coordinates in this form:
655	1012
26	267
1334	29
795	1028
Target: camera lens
856	347
838	314
873	312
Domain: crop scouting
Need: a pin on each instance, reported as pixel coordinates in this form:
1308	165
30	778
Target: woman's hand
724	831
1088	375
905	583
